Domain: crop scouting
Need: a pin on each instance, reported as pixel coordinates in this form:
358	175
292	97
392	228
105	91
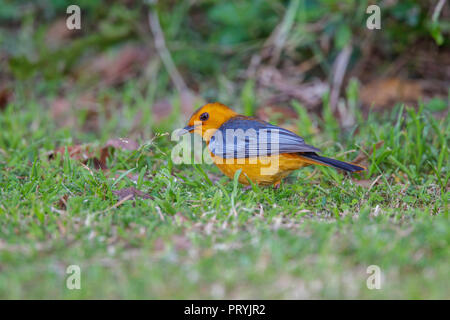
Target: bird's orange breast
266	170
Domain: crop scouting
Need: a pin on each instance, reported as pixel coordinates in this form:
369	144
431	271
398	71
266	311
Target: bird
264	153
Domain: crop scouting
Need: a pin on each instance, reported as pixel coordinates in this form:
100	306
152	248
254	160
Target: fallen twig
437	10
164	53
339	70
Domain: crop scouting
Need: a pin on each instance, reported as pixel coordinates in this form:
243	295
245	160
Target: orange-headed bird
265	153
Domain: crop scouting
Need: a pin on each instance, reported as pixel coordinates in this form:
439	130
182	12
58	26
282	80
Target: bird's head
207	119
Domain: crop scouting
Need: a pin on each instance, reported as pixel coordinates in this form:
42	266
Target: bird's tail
314	158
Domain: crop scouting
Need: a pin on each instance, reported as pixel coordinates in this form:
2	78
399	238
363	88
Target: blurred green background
256	56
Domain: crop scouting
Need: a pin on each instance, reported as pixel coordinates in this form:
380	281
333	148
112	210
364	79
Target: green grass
203	236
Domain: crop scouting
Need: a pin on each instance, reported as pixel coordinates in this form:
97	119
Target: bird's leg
277	184
246	188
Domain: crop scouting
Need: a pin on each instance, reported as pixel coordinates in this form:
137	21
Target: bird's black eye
204	116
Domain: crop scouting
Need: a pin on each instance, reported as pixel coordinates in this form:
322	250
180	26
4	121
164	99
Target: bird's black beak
187	129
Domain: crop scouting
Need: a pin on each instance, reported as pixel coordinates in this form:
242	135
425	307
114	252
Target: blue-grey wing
242	137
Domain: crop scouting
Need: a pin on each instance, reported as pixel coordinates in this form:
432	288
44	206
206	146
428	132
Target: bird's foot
246	188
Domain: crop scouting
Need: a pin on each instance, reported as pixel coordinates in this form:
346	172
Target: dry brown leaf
85	153
386	92
99	163
82	153
77	152
6	95
115	70
62	202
